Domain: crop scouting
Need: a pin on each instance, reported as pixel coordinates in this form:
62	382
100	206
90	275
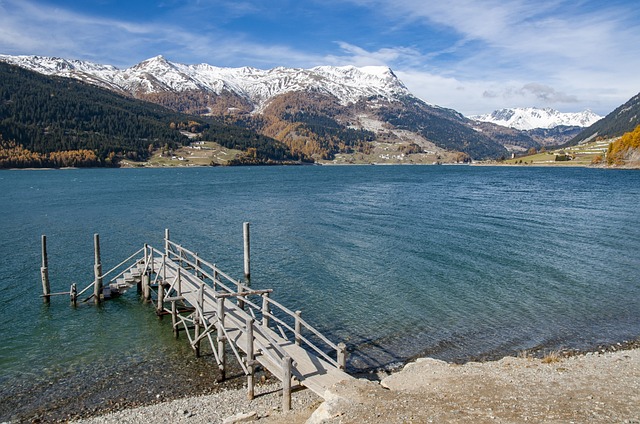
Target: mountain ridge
347	83
317	112
623	119
532	118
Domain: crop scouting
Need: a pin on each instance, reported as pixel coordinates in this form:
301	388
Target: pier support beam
146	287
198	320
73	294
44	271
298	327
221	339
166	241
174	318
97	269
239	299
247	251
342	356
160	299
286	383
250	357
265	309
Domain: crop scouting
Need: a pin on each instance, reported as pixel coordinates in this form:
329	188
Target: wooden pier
210	307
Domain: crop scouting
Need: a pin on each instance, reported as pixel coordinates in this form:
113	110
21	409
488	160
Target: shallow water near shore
451	262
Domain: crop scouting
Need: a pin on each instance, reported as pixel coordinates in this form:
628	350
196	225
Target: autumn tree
619	150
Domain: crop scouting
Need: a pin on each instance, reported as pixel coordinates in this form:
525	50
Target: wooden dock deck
229	316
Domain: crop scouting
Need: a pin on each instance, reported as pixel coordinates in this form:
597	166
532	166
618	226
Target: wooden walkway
233	319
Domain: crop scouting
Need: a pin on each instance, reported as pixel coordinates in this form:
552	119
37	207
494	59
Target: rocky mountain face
317	112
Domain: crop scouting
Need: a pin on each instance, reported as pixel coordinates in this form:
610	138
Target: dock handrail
266	349
177	251
111	270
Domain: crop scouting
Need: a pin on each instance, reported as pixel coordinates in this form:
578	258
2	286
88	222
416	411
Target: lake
454	262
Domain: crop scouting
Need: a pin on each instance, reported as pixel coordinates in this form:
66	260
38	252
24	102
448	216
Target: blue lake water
453	262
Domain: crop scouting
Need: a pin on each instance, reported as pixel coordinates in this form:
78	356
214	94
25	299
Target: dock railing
259	305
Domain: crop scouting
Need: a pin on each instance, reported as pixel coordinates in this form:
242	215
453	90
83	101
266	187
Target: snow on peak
531	118
157	74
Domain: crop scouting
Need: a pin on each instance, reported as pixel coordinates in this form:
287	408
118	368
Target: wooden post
147	252
166	241
73	294
265	309
342	356
179	277
247	251
198	273
152	265
298	327
160	299
97	270
174	318
250	357
221	338
239	299
146	287
286	383
215	277
196	334
44	271
199	318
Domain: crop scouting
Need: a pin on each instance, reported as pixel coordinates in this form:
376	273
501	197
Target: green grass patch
581	155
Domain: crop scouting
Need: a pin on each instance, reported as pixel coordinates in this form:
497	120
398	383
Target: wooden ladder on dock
211	307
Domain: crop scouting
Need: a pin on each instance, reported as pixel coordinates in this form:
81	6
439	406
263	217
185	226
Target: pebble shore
600	387
214	408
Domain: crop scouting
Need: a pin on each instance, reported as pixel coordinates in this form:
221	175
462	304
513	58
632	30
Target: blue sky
472	56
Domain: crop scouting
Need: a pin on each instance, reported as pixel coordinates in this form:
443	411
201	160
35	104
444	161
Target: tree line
54	121
13	155
621	149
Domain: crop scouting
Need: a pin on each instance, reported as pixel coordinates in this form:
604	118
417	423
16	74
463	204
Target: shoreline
85	396
480	164
511	389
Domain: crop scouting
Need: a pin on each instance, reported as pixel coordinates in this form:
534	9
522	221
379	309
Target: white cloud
358	56
508	48
30	28
500	53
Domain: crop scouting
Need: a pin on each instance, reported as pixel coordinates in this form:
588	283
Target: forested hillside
47	114
52	121
445	127
305	123
623	119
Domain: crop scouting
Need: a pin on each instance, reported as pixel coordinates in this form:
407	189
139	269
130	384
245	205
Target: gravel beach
601	387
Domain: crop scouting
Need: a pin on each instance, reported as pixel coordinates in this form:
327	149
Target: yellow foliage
13	155
620	149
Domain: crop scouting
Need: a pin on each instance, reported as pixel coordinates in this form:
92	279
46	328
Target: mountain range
253	87
317	113
533	118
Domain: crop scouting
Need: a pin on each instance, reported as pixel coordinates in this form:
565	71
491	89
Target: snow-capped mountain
314	110
157	75
532	118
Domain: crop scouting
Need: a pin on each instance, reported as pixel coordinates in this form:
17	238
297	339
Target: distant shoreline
476	164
